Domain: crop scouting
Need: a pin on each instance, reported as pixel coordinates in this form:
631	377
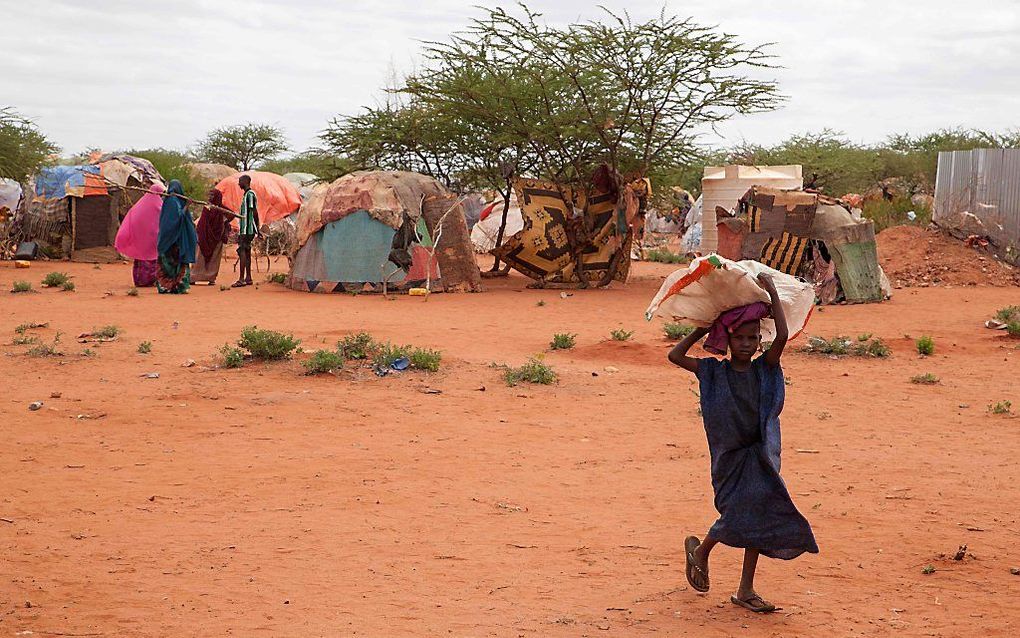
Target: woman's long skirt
172	276
207	270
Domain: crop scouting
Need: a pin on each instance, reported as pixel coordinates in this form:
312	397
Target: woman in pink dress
138	234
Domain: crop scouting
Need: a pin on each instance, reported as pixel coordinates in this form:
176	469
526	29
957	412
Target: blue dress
741	414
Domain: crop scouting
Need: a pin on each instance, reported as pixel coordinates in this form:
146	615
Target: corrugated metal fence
978	192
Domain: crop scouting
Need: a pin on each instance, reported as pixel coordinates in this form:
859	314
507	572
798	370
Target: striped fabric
784	253
249	205
754	218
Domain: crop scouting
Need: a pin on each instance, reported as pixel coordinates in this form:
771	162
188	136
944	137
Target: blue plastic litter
401	364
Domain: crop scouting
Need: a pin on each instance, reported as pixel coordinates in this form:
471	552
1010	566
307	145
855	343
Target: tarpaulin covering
277	197
118	168
10	194
57	182
303	182
211	174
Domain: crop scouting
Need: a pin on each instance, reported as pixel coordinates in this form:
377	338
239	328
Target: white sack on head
711	285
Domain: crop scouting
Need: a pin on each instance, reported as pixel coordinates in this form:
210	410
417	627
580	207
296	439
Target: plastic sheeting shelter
370	230
76	210
486	229
10	194
211	174
303	182
722	186
277	197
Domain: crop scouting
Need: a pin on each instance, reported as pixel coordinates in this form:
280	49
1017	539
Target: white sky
119	74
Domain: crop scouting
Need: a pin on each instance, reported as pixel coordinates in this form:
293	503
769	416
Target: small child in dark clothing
741	399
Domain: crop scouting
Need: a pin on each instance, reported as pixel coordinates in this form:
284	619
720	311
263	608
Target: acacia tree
629	95
23	147
242	146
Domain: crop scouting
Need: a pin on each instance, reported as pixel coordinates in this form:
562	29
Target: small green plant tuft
387	353
540	303
534	371
21	286
1013	329
55	279
145	347
231	357
1008	314
132	292
928	569
324	362
106	332
1001	407
924	379
267	345
425	359
925	346
356	346
864	337
67	286
664	256
840	346
676	331
22	340
563	341
621	335
277	278
89	353
45	350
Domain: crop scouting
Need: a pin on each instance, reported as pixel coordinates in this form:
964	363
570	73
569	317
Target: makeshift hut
375	229
807	235
277	197
303	182
76	210
211	174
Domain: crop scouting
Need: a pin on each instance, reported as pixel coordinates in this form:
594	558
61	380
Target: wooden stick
166	194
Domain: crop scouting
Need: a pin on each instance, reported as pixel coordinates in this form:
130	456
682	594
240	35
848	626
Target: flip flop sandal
238	284
691	543
755	603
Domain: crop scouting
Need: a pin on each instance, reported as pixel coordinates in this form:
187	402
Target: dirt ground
261	502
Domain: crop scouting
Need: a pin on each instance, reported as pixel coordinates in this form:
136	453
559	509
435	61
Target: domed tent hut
211	174
276	195
304	182
76	210
370	230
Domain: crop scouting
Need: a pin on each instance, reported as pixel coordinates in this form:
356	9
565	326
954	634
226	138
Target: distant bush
425	359
1001	407
1008	314
1013	328
324	361
664	256
621	334
925	379
277	278
106	332
231	357
21	286
387	353
534	371
842	346
677	331
886	213
925	346
145	347
55	279
267	345
356	346
67	286
563	341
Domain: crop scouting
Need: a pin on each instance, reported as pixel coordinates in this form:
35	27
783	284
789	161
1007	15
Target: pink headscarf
140	229
718	341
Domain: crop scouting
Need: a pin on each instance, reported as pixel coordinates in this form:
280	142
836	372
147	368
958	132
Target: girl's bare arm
678	355
775	351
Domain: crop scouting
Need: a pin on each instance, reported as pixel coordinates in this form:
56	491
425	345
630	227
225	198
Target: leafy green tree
319	163
23	147
242	146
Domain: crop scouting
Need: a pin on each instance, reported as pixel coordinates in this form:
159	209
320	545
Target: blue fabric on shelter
176	228
52	182
741	414
355	248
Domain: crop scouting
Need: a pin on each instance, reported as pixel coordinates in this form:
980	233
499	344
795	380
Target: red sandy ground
260	502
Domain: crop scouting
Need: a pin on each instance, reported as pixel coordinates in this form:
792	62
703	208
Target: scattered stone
1015	571
611	369
190	363
35	405
55	395
150	375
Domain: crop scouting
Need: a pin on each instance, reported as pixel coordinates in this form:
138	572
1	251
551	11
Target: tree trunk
457	265
502	224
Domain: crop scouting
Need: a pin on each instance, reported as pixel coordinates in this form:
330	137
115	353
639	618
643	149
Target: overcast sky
118	74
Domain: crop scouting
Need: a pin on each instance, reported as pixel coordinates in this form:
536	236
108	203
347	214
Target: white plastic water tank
725	185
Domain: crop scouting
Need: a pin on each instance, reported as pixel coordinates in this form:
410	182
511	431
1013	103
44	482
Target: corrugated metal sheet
978	192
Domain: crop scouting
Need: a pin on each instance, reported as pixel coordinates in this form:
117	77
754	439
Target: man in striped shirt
248	228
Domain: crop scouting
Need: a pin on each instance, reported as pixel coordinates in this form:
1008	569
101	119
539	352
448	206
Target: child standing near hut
741	398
